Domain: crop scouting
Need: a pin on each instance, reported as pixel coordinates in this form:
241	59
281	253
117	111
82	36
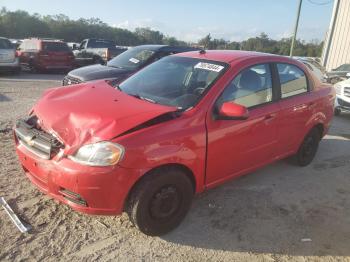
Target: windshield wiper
143	98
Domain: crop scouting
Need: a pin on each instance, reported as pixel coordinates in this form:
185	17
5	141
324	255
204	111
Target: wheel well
188	172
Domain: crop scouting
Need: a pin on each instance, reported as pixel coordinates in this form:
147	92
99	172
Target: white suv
8	57
342	102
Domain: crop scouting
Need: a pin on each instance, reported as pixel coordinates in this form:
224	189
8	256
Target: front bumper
92	190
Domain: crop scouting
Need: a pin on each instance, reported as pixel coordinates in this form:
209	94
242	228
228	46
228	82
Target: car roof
167	48
228	56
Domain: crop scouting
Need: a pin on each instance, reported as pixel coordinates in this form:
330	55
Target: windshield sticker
134	60
210	67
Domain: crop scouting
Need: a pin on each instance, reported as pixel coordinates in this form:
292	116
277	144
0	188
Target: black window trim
308	83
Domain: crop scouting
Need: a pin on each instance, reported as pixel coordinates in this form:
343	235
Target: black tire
337	111
308	148
160	201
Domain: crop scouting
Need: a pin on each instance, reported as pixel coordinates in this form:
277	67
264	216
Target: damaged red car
184	124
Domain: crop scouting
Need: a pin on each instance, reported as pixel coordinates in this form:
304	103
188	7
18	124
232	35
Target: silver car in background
9	61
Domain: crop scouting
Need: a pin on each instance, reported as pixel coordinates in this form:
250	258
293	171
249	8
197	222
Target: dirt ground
279	213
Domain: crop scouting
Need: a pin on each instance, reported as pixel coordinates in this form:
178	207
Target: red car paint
212	150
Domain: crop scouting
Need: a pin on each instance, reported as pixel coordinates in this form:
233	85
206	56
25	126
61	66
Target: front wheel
160	201
308	148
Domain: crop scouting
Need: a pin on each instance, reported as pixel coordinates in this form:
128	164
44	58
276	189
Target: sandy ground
260	217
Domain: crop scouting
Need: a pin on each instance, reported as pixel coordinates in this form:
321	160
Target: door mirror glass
229	110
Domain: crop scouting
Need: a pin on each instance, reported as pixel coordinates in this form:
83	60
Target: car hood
89	113
95	72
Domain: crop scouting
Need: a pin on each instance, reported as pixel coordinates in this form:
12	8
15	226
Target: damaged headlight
99	154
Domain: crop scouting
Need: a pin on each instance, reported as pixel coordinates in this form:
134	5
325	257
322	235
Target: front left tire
160	201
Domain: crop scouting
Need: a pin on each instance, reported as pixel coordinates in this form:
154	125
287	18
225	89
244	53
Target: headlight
99	154
338	89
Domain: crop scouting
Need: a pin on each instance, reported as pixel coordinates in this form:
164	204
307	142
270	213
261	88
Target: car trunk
56	54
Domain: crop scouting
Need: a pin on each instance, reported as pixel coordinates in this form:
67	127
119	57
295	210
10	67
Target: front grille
36	140
343	103
70	80
347	91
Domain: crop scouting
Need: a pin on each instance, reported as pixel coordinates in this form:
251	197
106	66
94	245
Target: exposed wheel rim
165	203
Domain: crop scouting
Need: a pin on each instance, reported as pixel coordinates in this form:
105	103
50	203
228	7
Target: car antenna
202	51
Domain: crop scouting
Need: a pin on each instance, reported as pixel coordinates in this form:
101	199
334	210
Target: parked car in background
338	74
184	124
314	66
96	51
342	102
40	54
8	56
123	65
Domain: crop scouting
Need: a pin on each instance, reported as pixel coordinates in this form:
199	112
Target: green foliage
20	24
265	44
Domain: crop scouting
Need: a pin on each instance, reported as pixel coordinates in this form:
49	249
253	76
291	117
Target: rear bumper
91	190
10	65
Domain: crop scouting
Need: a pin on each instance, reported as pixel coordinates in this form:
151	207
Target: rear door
237	146
297	104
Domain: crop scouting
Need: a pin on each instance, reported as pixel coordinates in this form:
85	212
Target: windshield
174	81
131	59
5	44
55	47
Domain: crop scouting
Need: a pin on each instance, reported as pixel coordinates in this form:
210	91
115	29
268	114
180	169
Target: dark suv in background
122	66
45	54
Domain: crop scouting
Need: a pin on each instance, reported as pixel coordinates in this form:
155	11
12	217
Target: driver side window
252	87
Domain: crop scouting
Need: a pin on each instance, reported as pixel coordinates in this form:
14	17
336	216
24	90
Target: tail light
71	56
17	54
108	54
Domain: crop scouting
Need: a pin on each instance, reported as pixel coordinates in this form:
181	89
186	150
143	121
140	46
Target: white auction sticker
134	60
210	67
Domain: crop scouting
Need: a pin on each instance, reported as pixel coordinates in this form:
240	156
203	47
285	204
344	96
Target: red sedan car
182	125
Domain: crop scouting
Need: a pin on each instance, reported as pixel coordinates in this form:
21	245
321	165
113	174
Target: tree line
20	24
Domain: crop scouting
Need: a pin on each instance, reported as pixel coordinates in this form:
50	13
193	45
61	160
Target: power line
322	3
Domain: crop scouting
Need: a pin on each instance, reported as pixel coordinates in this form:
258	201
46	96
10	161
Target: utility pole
295	29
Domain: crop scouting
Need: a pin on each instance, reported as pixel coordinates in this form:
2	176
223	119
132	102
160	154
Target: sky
190	20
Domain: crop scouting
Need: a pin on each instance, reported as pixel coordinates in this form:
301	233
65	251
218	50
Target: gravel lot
279	213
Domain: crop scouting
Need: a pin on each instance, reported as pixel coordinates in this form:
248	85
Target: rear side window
252	87
55	47
293	80
5	44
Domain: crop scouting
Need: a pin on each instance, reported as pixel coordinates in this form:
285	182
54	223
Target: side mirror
74	47
232	111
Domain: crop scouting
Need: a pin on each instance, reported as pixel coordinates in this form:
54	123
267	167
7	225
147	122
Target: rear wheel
160	201
308	148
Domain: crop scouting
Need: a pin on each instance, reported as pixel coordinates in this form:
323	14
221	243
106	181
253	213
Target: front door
237	146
